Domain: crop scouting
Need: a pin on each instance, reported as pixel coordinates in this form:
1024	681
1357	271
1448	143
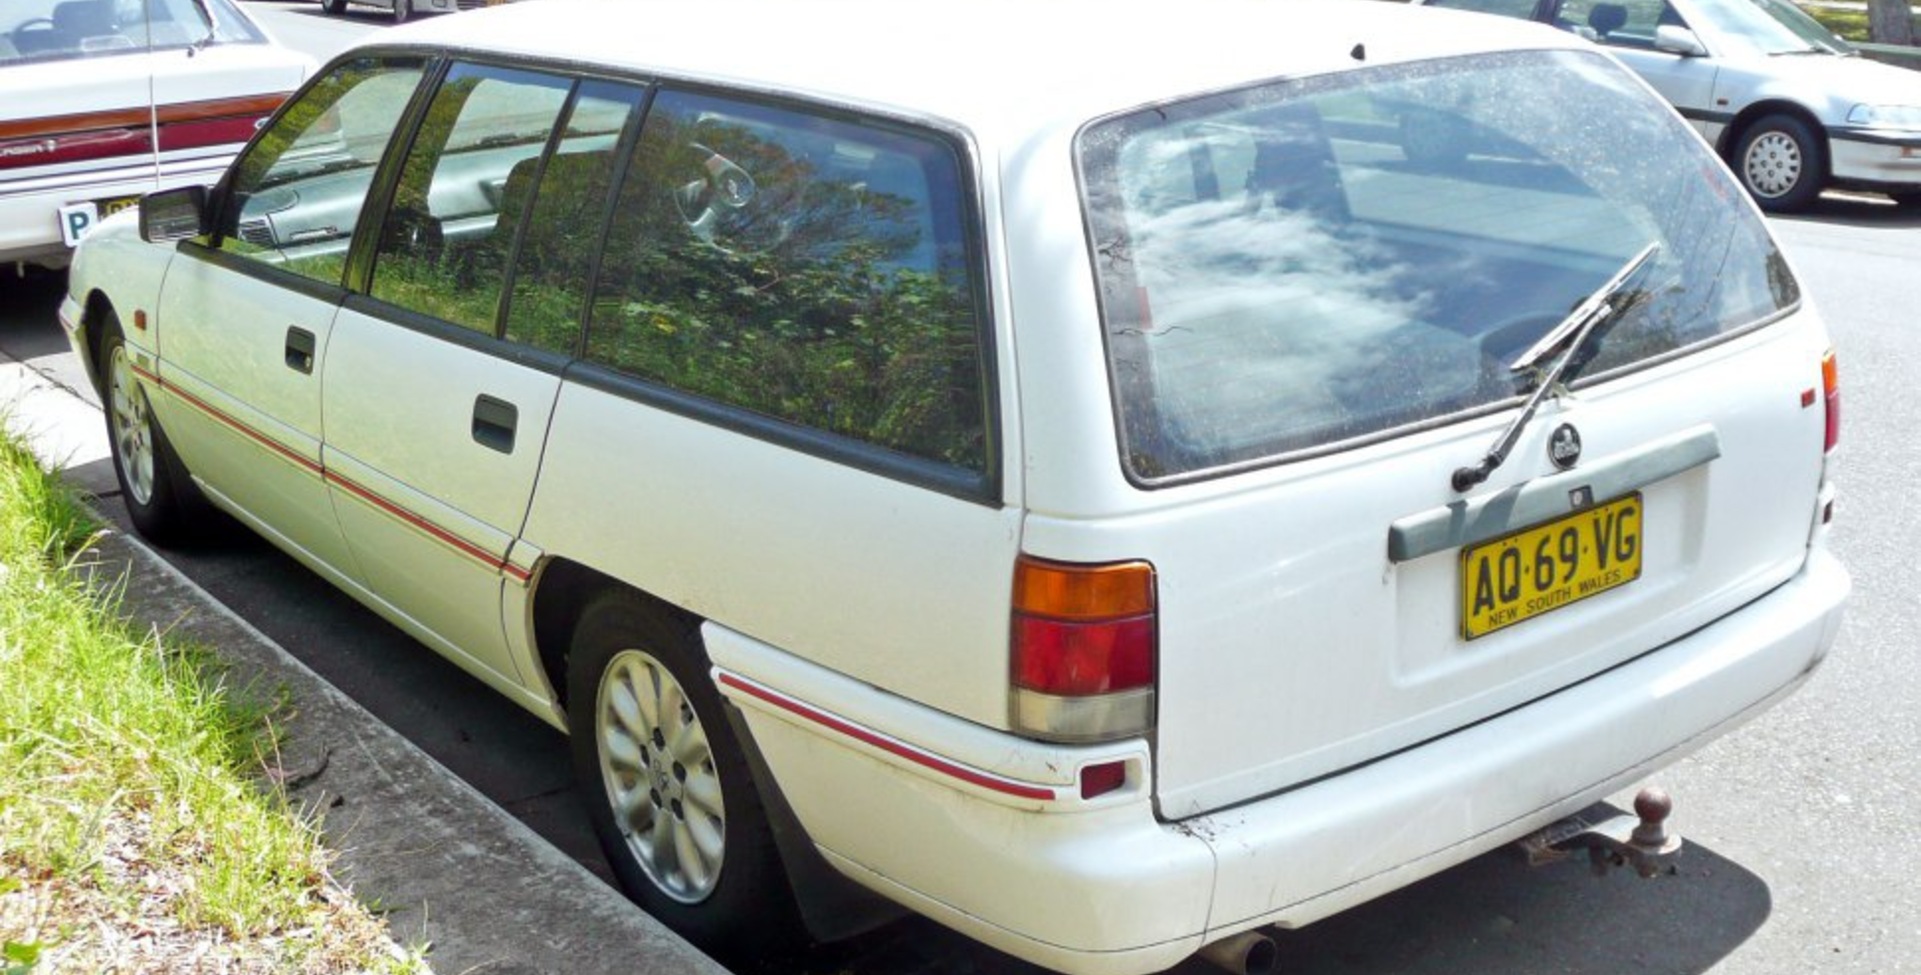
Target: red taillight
1084	645
1078	659
1831	391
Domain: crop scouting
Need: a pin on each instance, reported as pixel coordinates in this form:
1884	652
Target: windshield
57	30
1771	26
1305	266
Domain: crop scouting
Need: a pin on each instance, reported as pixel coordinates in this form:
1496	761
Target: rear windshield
1305	266
58	30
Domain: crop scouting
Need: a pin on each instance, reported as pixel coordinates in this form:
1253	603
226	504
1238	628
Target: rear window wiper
1568	338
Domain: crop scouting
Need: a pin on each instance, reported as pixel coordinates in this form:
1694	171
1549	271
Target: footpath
450	869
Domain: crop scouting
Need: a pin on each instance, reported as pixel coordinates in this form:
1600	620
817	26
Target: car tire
333	8
663	777
161	500
403	11
1781	162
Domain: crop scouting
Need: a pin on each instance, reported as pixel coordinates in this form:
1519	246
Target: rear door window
1306	266
448	236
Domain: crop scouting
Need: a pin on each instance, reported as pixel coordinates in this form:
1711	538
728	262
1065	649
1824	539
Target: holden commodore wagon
1112	504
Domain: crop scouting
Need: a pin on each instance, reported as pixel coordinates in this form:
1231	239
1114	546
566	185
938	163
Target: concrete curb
451	869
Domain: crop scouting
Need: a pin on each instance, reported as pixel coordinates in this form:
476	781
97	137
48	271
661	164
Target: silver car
1791	107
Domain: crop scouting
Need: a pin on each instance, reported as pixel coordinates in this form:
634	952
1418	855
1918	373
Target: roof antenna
1359	53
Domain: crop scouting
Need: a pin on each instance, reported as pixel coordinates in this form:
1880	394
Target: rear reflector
1099	780
1084	644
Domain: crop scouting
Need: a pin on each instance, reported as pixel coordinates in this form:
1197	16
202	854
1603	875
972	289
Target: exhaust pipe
1247	953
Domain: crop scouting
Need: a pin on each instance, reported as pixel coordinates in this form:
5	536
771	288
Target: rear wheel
1781	162
161	501
666	784
333	7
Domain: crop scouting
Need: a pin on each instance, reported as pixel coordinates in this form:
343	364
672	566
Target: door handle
300	349
494	422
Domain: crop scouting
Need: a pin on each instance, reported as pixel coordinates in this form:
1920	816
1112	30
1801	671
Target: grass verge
134	833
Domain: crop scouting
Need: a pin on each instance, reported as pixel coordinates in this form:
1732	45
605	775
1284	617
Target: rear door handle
300	349
494	422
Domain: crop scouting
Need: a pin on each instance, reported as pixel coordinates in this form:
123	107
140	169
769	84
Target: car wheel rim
132	428
1773	164
659	772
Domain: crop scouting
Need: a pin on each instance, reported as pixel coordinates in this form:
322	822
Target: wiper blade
1568	337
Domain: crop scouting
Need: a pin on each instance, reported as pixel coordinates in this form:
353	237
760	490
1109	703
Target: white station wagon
1111	497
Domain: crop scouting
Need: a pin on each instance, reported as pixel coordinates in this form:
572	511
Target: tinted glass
445	239
299	190
561	224
53	30
807	268
1304	265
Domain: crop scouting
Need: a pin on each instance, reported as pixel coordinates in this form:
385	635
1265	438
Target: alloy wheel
132	427
660	776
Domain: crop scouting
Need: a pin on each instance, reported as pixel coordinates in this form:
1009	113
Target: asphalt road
1805	848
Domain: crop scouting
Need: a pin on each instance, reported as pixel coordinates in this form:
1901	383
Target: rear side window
808	268
1306	266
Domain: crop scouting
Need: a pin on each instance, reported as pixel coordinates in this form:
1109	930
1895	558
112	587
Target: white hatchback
103	100
1111	503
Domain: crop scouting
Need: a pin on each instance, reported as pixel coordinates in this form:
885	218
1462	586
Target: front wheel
161	501
333	8
667	786
1781	162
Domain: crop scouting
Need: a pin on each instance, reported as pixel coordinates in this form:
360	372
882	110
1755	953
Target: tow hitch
1640	840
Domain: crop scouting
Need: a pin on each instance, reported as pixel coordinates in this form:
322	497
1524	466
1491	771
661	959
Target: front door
246	313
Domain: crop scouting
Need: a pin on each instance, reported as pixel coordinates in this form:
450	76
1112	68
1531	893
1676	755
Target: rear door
441	379
1310	331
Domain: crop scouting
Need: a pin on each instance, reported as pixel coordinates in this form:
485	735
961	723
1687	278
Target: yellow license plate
109	207
1541	569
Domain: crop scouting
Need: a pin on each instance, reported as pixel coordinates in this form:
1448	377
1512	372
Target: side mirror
174	214
1675	39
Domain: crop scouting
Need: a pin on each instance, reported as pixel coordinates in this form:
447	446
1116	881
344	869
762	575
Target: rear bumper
1104	887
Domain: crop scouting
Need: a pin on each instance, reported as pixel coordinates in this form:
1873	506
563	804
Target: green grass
1850	24
134	833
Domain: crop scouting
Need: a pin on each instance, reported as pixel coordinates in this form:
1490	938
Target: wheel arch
93	324
561	590
1736	129
830	906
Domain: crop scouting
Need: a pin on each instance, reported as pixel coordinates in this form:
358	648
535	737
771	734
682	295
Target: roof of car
982	63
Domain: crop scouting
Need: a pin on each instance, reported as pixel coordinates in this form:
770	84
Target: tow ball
1641	840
